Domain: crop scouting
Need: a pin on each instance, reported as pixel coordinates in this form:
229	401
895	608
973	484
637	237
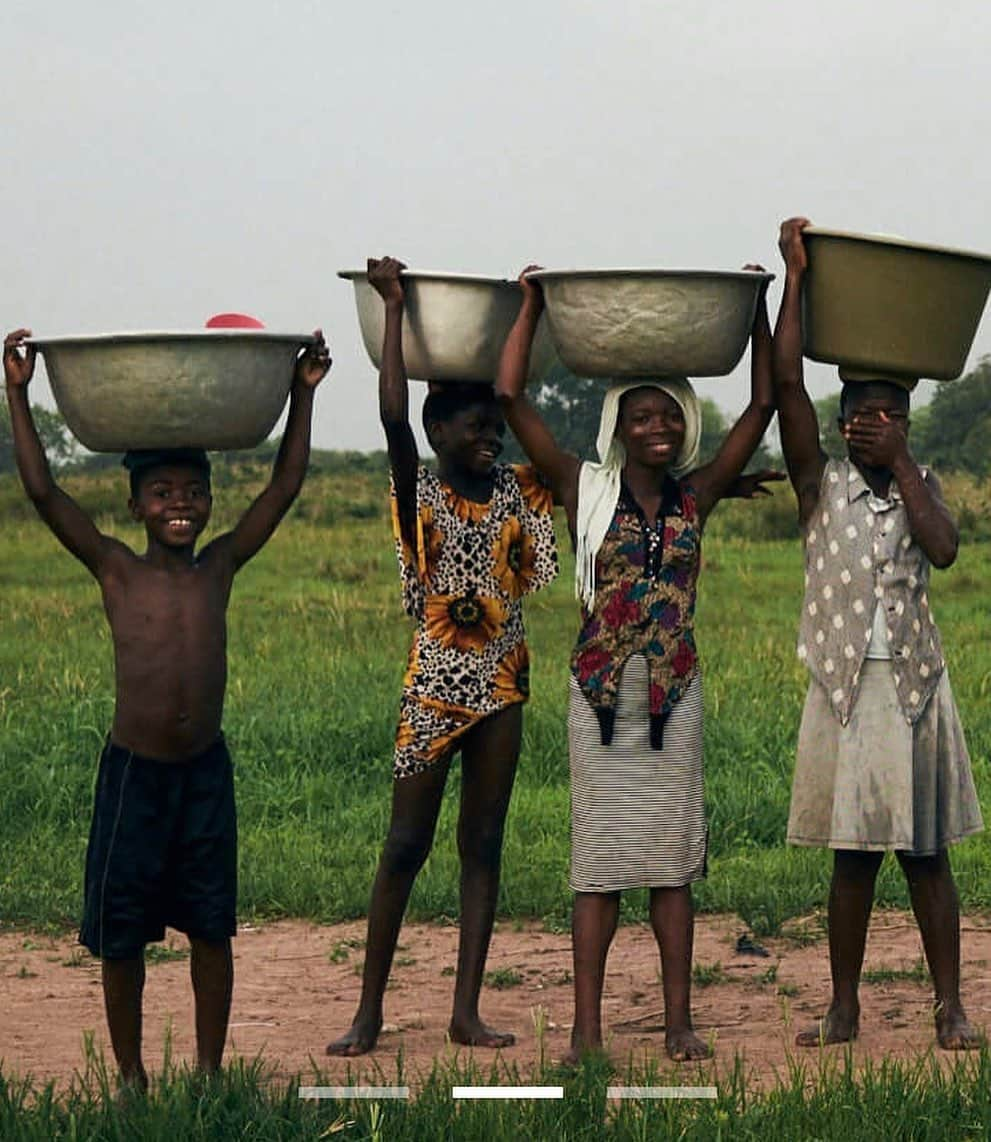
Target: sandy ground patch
297	984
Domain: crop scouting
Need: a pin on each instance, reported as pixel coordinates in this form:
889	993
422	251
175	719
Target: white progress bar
515	1092
655	1092
375	1092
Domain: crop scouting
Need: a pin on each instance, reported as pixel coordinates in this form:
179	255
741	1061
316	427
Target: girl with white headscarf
635	715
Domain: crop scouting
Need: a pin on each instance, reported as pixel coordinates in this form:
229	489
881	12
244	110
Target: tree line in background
59	444
951	434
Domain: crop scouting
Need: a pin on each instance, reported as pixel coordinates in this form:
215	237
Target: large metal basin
651	323
217	388
882	307
454	325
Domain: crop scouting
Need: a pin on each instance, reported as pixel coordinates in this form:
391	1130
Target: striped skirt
637	813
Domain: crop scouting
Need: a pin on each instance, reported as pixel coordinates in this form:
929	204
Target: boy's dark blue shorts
162	851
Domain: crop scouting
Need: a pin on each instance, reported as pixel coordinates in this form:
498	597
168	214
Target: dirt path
297	986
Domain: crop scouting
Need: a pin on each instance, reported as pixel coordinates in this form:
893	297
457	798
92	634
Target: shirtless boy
162	848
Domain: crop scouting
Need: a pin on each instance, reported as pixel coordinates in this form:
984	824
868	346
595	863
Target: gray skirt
637	813
880	783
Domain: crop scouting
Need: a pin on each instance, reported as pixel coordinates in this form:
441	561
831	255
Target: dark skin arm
256	526
71	525
167	610
717	479
561	468
881	443
558	467
384	277
751	485
797	419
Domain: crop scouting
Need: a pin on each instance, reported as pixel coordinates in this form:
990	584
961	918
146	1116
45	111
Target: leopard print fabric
464	585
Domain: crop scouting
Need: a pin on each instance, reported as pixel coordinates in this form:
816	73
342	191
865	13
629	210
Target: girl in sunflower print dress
463	583
472	540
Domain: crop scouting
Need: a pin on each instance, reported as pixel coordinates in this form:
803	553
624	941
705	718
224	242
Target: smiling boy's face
174	503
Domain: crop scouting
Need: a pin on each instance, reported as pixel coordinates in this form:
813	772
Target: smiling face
471	438
173	501
651	427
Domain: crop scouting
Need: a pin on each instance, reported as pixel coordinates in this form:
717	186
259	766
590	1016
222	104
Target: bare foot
953	1030
475	1033
684	1046
131	1089
578	1053
835	1027
359	1040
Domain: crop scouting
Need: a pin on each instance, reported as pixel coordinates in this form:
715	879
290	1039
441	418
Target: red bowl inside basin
234	321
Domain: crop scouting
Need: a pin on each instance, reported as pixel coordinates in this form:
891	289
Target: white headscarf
598	484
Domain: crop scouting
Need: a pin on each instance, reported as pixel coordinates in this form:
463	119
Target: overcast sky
164	162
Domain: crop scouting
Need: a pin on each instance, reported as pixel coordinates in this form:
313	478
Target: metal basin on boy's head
206	388
454	325
882	307
651	322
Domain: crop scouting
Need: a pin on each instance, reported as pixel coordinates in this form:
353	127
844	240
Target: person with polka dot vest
882	764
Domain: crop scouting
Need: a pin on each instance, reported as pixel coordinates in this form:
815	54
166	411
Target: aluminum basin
215	389
651	323
882	307
454	325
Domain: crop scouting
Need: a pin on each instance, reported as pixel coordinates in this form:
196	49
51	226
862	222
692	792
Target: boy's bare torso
169	629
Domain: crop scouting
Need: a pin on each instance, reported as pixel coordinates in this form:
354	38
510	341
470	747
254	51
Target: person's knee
852	865
405	853
133	961
481	843
931	867
205	946
123	971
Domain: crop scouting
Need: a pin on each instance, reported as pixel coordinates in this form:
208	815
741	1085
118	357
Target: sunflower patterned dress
464	586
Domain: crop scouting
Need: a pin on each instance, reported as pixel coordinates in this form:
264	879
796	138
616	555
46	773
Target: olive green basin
215	389
882	307
644	323
454	325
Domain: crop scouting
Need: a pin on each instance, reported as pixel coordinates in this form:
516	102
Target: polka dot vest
859	554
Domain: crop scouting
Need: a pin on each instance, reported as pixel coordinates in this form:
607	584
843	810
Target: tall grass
317	648
834	1100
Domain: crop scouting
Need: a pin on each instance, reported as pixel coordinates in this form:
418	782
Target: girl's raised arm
558	467
716	479
383	276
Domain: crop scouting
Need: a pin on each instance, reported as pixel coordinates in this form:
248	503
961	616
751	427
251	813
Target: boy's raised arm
797	419
72	526
261	519
560	468
383	276
719	477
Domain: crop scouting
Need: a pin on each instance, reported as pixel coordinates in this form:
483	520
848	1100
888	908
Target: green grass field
892	1100
317	649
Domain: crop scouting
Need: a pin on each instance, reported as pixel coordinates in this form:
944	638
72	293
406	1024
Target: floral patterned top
644	604
464	586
